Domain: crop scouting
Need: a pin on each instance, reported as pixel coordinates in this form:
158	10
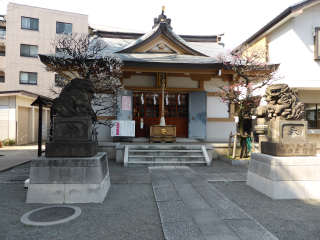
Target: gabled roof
291	11
161	28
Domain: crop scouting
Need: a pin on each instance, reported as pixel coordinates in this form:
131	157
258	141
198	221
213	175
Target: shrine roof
207	50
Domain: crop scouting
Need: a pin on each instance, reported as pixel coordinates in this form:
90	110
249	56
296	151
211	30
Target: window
64	27
29	50
2	53
59	80
313	115
2	32
29	23
1	79
28	78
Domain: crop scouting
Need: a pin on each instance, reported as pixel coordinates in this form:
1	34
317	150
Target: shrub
9	142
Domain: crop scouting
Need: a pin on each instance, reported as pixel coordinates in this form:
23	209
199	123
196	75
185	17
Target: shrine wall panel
216	109
211	86
182	82
140	81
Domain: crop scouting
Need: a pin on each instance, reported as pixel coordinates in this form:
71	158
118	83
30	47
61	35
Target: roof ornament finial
162	19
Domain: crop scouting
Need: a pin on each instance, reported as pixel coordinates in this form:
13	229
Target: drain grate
19	178
53	215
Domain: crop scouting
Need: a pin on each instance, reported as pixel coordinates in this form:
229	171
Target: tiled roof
113	29
165	58
144	37
211	49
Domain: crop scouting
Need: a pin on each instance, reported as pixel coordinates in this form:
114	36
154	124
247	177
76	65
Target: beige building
293	39
26	32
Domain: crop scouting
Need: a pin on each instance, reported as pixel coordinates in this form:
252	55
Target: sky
237	19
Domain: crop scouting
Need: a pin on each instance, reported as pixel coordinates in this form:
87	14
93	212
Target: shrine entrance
147	108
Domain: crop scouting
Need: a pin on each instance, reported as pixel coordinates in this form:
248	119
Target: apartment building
25	32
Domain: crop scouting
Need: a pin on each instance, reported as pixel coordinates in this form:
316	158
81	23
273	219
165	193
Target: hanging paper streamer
179	102
167	100
142	99
154	99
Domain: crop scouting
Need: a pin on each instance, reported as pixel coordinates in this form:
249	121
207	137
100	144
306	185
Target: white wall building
293	40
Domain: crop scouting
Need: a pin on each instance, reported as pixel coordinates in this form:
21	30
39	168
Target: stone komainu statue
75	99
283	102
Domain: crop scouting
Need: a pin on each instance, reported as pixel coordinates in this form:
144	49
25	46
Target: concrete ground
130	210
11	156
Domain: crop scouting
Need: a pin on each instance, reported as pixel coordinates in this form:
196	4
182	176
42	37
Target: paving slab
161	183
185	230
233	177
195	202
203	212
173	211
215	177
186	189
221	204
222	237
210	223
250	229
166	194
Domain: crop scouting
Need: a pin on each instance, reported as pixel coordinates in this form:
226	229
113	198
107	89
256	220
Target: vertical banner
126	103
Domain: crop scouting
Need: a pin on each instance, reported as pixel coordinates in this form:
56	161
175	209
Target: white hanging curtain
179	102
142	99
155	99
167	100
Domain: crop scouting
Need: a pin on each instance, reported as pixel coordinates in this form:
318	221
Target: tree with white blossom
85	56
252	73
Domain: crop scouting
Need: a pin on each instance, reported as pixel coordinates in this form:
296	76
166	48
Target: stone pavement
131	210
190	208
11	156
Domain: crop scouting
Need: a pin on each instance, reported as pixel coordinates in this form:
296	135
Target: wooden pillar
40	130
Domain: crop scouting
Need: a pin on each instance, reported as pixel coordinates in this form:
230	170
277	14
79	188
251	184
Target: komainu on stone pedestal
287	130
287	166
73	135
75	99
283	103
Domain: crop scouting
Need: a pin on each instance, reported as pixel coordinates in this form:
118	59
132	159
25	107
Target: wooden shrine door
147	106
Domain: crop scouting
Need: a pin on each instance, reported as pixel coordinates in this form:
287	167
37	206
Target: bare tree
85	56
253	73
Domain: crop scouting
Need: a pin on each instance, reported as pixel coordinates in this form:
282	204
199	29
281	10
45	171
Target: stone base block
71	149
72	129
285	177
69	180
289	149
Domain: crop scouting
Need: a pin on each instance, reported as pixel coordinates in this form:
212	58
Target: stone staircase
161	155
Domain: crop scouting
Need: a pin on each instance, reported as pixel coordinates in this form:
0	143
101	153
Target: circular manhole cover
51	215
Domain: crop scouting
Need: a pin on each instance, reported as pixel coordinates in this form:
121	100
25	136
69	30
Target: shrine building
189	66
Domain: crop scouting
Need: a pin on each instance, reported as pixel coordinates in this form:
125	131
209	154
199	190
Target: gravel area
128	212
286	219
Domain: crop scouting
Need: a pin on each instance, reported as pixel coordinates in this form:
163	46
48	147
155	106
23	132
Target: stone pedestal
72	137
288	139
285	177
58	180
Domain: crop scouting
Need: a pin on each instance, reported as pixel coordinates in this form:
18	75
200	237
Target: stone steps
168	163
158	155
